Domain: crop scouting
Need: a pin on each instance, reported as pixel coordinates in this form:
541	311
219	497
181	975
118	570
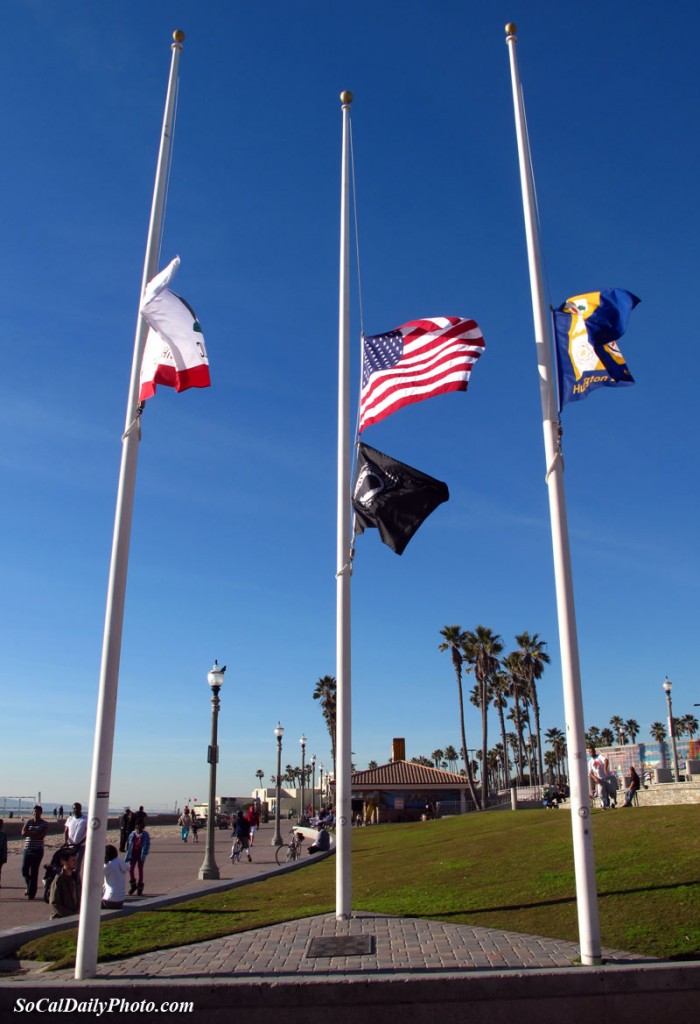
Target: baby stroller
51	869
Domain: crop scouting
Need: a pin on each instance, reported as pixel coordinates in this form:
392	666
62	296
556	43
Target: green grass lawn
502	870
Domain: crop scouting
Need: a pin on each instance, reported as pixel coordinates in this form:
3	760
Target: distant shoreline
13	826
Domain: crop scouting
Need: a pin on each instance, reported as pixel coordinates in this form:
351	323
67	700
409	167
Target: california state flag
174	354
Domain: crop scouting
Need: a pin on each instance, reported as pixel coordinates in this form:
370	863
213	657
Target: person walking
126	827
598	770
195	826
185	823
75	833
136	852
65	888
34	831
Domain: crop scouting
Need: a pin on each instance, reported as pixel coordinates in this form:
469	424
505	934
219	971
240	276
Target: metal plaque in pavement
341	945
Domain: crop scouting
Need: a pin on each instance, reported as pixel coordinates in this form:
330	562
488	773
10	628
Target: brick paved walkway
400	945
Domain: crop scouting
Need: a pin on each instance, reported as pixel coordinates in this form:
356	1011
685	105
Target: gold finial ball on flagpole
345	97
511	29
179	35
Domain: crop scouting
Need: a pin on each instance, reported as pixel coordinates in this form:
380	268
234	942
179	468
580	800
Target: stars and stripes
420	359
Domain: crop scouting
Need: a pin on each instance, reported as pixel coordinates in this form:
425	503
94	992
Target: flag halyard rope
558	454
135	423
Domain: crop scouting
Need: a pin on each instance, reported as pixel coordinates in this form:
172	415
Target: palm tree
593	736
260	775
452	642
550	759
690	725
451	757
481	648
515	748
326	692
500	691
607	737
617	724
437	756
632	729
516	688
533	659
555	737
657	731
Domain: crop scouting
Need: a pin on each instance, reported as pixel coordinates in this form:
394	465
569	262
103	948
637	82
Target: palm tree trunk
506	769
484	745
536	709
467	764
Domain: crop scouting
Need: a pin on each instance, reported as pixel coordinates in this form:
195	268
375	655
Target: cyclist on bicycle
241	831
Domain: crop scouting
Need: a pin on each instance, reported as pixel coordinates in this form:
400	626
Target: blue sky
233	541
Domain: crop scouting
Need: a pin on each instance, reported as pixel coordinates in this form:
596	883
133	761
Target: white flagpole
343	809
584	865
89	928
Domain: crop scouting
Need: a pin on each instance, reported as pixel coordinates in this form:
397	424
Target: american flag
417	360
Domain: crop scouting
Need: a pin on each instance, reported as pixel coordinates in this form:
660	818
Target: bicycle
236	850
291	851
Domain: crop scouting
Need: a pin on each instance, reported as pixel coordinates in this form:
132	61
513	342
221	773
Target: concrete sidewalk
171	868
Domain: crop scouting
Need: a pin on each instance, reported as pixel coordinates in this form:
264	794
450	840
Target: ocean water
23	807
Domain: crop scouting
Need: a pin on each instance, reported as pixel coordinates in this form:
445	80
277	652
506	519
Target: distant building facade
402	791
645	757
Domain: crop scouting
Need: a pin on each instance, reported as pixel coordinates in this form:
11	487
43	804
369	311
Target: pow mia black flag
393	497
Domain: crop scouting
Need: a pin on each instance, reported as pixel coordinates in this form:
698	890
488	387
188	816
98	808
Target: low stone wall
670	793
577	995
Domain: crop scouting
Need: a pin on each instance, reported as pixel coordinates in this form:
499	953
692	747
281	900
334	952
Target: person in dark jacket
241	831
126	827
65	888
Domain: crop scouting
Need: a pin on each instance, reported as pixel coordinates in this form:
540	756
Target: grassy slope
499	870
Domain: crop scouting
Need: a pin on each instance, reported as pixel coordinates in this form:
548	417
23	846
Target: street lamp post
671	728
303	752
313	786
277	838
215	678
320	785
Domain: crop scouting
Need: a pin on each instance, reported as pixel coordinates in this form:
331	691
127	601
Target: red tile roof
405	773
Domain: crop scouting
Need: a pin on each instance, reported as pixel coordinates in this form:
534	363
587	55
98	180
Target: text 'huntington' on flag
174	354
393	497
586	330
415	361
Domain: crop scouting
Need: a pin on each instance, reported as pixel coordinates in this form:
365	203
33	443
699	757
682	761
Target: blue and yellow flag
586	329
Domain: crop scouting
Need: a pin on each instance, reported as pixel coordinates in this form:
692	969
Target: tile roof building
404	791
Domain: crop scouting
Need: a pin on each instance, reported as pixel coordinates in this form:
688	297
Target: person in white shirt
75	832
598	770
114	886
